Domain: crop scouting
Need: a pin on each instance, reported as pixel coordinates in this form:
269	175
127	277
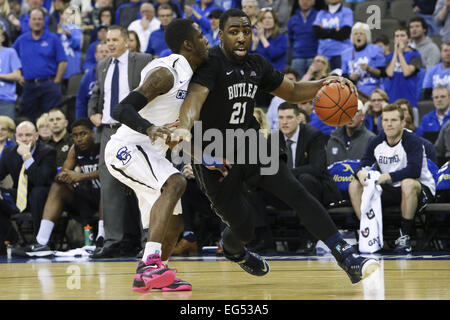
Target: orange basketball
335	105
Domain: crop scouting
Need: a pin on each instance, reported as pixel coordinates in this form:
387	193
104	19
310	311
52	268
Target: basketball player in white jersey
135	155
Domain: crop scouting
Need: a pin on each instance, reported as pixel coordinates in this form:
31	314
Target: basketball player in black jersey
77	187
221	96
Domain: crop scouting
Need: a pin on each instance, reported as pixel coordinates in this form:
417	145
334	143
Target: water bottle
88	236
8	249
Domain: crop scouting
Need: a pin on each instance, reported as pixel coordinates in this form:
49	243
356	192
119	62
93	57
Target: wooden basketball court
422	277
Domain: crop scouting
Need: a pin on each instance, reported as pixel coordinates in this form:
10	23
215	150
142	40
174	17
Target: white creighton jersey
164	109
406	159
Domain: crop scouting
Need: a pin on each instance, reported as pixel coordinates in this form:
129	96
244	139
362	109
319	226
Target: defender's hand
155	132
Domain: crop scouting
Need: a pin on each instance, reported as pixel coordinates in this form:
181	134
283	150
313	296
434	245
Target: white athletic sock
45	231
101	230
151	248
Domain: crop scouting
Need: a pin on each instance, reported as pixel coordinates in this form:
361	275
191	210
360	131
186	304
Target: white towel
371	224
78	252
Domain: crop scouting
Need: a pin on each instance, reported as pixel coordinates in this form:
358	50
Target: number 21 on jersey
238	114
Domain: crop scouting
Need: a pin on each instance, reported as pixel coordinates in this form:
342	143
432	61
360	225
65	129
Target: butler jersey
164	109
406	159
88	162
233	87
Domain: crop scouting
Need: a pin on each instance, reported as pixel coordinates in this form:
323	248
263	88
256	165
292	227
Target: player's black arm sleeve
126	112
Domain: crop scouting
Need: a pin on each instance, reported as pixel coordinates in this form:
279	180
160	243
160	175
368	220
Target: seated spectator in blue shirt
71	38
199	12
213	34
50	22
402	67
88	82
433	121
44	63
364	62
128	12
7	129
157	44
268	41
438	74
333	27
175	5
301	36
10	73
89	62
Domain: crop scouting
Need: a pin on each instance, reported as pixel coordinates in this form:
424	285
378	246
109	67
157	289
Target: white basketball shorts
143	170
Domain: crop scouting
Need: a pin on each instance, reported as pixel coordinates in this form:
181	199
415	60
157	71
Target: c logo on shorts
365	233
370	214
123	155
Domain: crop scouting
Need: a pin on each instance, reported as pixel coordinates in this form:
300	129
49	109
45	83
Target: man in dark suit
32	166
109	90
306	156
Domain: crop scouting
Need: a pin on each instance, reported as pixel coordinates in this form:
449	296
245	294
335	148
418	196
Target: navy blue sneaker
356	267
34	250
250	262
403	244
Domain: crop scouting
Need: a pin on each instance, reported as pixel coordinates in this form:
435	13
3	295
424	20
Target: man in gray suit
117	75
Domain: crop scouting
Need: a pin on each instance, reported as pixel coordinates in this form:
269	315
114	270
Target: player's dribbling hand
341	81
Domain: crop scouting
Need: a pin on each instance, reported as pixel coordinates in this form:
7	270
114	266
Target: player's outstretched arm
301	91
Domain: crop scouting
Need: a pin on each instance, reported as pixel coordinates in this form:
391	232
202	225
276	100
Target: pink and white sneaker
152	274
177	285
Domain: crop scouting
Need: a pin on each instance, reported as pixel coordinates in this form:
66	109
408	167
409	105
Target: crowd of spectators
45	45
